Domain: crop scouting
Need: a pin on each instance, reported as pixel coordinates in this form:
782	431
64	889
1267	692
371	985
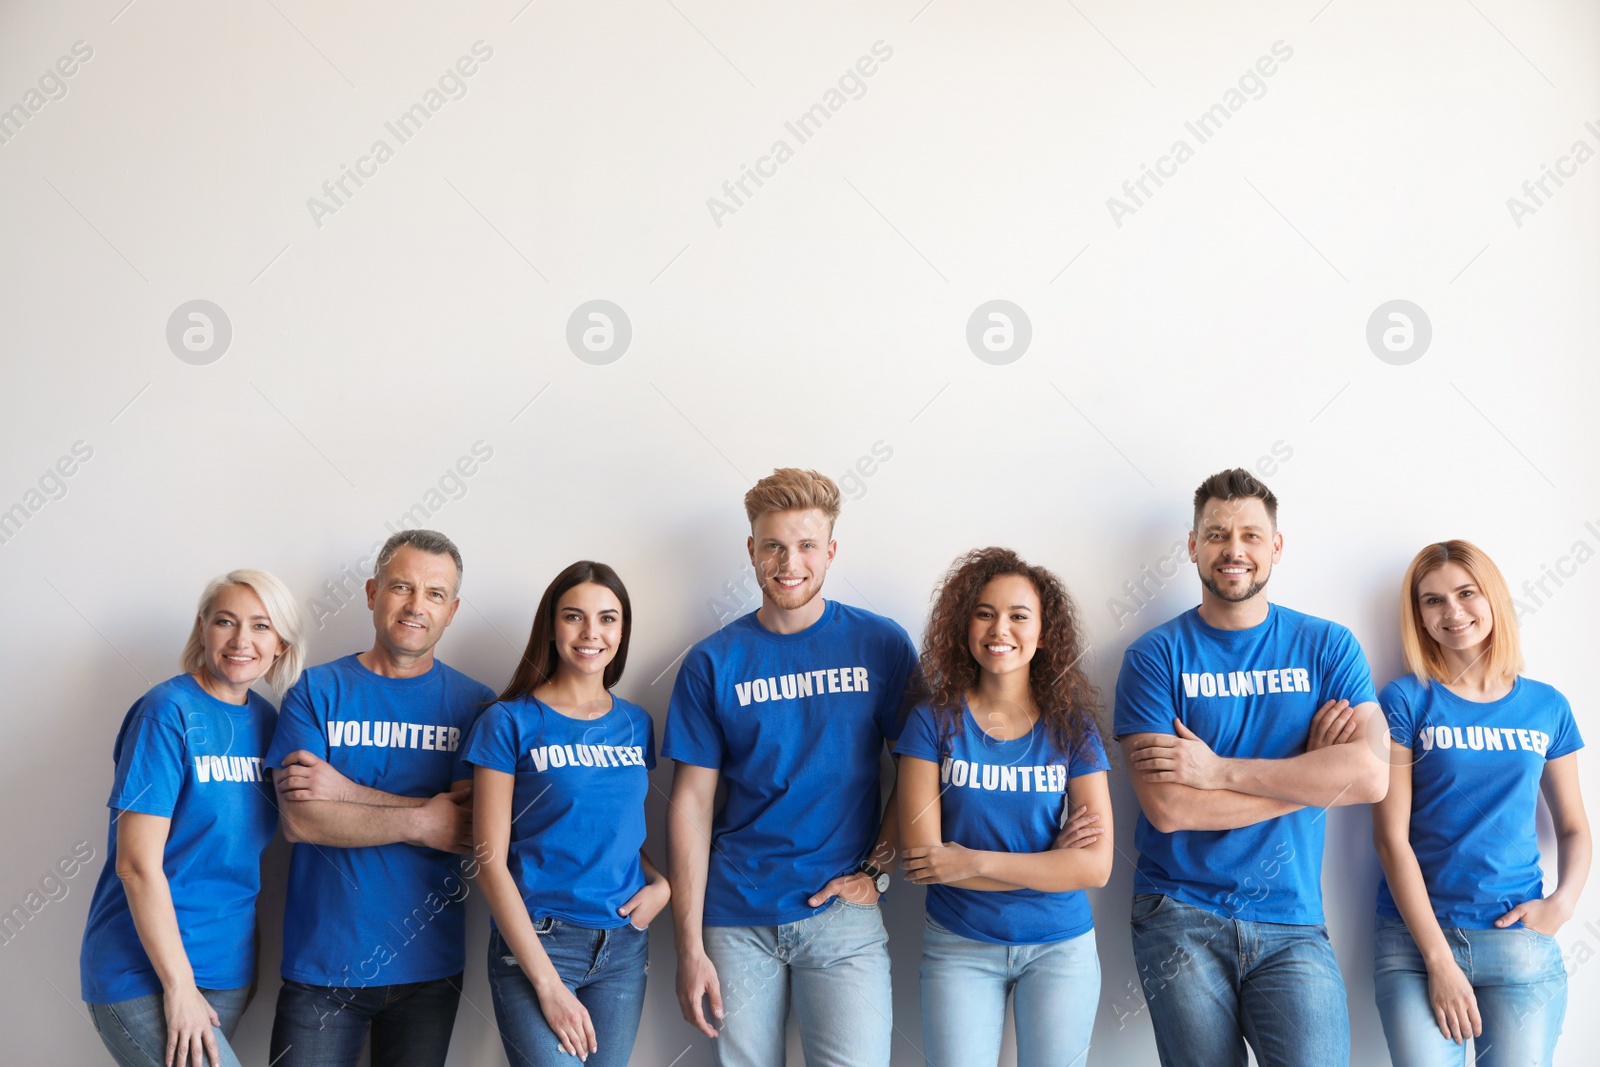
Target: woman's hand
642	908
1080	831
1541	916
1455	1007
567	1016
190	1040
940	864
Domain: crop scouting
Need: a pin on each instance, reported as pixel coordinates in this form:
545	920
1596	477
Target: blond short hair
281	609
1424	659
793	489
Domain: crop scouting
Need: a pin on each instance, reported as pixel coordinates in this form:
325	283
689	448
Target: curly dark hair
1068	704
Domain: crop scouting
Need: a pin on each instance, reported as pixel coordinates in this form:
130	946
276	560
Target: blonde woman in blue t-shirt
1465	937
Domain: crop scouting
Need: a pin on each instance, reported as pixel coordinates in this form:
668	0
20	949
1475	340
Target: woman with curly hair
1006	816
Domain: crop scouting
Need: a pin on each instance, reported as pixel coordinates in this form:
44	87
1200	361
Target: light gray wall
1221	318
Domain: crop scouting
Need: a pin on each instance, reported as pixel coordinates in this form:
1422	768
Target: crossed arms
319	806
1183	785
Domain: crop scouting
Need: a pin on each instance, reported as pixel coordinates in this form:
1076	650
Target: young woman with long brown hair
563	768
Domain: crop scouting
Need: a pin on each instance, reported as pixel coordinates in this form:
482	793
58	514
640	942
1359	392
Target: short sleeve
1144	696
1397	709
649	740
463	767
1565	739
1088	757
693	733
493	741
298	727
902	655
920	738
150	767
1345	672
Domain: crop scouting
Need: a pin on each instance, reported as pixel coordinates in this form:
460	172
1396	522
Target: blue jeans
1213	983
604	968
324	1026
836	966
135	1031
1517	976
964	988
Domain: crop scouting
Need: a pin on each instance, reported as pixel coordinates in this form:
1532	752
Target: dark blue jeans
325	1026
604	968
1214	983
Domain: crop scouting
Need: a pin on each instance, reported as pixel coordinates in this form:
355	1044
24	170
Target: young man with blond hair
775	893
1241	721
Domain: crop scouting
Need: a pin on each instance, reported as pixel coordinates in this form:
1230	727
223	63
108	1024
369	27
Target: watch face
882	882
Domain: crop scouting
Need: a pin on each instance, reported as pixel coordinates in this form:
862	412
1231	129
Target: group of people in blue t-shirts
403	784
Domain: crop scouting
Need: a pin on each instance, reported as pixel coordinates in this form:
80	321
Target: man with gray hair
374	794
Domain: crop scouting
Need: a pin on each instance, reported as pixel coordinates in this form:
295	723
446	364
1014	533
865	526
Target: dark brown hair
540	658
1237	484
1068	704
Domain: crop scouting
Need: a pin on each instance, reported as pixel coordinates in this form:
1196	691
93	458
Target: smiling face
587	629
1003	633
413	599
791	552
239	640
1234	548
1453	610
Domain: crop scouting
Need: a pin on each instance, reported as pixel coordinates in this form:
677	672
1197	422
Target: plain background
1221	322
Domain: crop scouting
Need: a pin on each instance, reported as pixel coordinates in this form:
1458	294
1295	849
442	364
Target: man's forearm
1329	777
377	798
350	825
1171	807
688	861
886	849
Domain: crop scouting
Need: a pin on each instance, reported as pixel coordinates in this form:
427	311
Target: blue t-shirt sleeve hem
1143	698
694	759
1566	751
142	805
490	762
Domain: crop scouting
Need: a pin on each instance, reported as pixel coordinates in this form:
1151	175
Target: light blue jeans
1213	983
135	1031
835	965
1517	976
1056	989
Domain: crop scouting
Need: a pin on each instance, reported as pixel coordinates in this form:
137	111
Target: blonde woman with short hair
169	954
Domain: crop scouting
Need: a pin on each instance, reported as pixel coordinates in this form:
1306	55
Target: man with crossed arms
1242	720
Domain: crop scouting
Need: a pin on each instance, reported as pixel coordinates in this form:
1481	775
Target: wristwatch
880	878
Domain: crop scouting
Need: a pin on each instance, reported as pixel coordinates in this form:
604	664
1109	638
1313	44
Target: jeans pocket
853	904
1146	906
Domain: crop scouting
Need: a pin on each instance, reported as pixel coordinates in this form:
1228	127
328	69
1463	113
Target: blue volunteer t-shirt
795	723
577	805
1002	796
1249	694
1475	793
186	756
381	914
